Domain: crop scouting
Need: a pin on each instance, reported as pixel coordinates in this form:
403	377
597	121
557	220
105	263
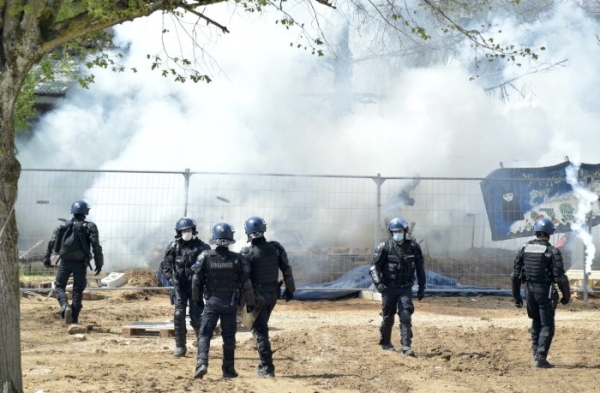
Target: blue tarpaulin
516	197
358	279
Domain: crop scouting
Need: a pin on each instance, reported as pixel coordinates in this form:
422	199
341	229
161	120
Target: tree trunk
10	169
17	56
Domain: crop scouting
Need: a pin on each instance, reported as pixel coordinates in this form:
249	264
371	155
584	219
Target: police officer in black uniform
539	266
181	254
395	263
77	267
220	277
266	259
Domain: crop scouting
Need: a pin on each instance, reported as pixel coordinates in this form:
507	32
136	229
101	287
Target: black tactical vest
222	272
186	254
264	264
399	270
536	260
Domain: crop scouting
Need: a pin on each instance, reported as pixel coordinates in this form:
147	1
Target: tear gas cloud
586	200
269	110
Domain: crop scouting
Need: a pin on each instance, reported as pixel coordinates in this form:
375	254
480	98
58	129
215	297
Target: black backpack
72	242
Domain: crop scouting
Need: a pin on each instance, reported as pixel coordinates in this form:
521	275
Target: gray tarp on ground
358	279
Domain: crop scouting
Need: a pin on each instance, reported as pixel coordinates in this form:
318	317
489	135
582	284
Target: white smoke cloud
266	109
586	200
146	121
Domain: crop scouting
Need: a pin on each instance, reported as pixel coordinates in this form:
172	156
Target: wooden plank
141	329
144	332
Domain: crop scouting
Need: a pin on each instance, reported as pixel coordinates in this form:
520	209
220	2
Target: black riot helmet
398	224
80	207
255	227
222	234
544	225
183	223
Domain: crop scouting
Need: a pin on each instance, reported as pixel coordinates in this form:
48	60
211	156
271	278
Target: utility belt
266	287
395	284
234	299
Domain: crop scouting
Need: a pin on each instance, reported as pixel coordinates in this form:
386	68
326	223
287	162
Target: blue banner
516	197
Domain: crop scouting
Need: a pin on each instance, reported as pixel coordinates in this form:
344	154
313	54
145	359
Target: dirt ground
463	344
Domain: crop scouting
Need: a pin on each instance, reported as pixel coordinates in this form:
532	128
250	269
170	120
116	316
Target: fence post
186	176
378	181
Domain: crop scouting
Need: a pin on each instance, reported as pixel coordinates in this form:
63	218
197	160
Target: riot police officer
74	258
395	263
539	266
220	278
266	259
181	254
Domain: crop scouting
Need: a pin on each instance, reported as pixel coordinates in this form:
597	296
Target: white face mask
398	236
186	236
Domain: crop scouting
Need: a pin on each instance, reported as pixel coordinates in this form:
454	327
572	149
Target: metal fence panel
328	224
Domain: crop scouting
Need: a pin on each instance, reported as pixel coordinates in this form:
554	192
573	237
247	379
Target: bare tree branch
191	10
509	82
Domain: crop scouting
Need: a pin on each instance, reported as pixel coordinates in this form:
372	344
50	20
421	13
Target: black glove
249	308
421	294
47	262
518	302
380	288
565	300
98	269
287	295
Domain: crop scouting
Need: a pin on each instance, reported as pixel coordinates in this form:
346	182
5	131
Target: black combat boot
75	315
406	339
541	362
265	370
201	370
180	347
229	372
68	314
179	352
229	363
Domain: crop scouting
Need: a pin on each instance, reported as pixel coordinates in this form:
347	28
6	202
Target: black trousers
183	299
260	328
216	307
396	300
67	268
541	312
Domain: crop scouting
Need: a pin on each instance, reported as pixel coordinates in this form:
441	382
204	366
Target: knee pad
405	316
179	314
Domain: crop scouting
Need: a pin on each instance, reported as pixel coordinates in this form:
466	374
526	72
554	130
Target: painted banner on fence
516	197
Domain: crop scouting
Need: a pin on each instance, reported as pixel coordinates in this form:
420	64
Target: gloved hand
380	288
421	294
565	300
47	262
518	302
98	269
287	295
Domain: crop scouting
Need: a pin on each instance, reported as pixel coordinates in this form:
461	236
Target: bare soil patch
463	344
